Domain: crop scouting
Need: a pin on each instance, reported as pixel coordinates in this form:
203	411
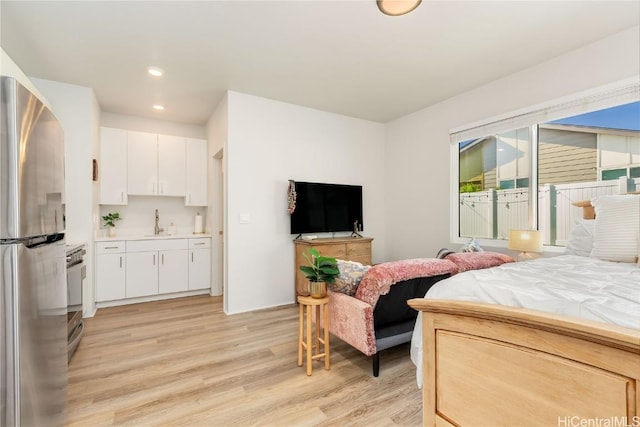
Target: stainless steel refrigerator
33	294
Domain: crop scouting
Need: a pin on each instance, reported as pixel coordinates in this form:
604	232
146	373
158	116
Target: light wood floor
183	362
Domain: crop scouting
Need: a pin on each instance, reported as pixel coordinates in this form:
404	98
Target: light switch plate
244	218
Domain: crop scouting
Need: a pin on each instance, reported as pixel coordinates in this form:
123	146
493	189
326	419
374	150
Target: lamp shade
525	240
397	7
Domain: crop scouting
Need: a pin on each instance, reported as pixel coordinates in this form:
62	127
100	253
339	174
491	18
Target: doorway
218	226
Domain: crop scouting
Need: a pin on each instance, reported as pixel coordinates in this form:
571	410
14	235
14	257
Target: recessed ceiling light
397	7
158	107
155	71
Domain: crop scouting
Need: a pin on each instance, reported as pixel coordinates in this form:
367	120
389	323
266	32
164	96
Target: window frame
618	93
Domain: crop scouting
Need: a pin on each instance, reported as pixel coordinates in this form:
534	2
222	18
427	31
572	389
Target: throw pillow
351	273
581	238
617	225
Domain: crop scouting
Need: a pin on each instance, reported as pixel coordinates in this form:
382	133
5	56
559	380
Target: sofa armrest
351	320
477	260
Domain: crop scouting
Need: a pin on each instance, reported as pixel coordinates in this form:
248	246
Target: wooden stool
321	306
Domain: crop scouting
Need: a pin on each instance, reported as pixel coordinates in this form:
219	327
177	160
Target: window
560	161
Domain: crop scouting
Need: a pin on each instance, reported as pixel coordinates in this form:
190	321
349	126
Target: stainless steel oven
76	275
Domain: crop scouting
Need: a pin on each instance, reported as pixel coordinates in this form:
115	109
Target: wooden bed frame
495	365
486	364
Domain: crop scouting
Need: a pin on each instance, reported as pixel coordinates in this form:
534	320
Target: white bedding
571	285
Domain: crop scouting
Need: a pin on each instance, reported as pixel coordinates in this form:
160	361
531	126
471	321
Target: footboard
494	365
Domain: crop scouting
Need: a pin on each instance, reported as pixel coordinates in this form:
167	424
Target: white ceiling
339	56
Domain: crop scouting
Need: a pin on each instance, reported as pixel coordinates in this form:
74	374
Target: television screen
326	208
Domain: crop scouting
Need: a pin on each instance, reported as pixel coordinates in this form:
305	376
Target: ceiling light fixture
158	107
397	7
155	71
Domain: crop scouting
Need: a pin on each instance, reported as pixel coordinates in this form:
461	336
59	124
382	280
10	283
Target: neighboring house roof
621	117
465	145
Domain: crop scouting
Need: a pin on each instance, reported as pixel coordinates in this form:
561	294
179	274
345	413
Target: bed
555	341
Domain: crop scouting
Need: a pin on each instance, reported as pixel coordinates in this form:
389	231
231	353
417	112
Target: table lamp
525	241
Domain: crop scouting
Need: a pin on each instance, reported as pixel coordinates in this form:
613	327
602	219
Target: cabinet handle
120	261
154	259
122	196
111	247
191	256
162	259
198	244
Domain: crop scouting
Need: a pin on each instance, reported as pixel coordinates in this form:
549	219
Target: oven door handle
74	339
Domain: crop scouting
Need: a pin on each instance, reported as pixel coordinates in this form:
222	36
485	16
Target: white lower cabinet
173	271
199	264
110	271
144	268
156	267
142	274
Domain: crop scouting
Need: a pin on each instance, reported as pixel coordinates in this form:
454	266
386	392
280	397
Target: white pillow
617	226
581	238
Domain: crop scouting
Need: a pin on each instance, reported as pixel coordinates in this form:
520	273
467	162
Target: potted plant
320	271
110	222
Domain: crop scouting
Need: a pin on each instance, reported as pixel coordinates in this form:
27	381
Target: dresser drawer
359	249
200	243
157	245
333	251
110	247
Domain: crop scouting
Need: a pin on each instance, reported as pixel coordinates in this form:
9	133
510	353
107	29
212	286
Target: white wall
143	124
138	216
10	69
417	145
77	109
270	142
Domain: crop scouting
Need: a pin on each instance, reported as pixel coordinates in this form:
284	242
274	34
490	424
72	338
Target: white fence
491	214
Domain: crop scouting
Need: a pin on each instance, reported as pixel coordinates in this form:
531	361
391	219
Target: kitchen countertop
152	237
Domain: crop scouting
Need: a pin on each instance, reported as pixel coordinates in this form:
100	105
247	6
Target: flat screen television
322	208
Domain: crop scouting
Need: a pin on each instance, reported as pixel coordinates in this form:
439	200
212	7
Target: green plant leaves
110	218
320	268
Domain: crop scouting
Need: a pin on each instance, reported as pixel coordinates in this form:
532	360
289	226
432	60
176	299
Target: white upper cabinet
196	173
142	169
112	169
171	166
156	165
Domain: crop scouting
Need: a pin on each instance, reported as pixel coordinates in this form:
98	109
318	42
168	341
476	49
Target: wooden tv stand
356	249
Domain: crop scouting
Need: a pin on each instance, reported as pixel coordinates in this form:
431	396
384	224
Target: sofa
373	315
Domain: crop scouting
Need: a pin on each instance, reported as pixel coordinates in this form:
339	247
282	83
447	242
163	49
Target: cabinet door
171	165
142	274
199	269
196	173
142	163
174	271
113	166
110	277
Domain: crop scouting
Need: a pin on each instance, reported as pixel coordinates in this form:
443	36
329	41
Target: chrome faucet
157	230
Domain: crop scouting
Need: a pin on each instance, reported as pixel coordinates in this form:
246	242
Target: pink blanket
379	278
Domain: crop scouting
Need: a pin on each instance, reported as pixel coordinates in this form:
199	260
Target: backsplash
138	217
